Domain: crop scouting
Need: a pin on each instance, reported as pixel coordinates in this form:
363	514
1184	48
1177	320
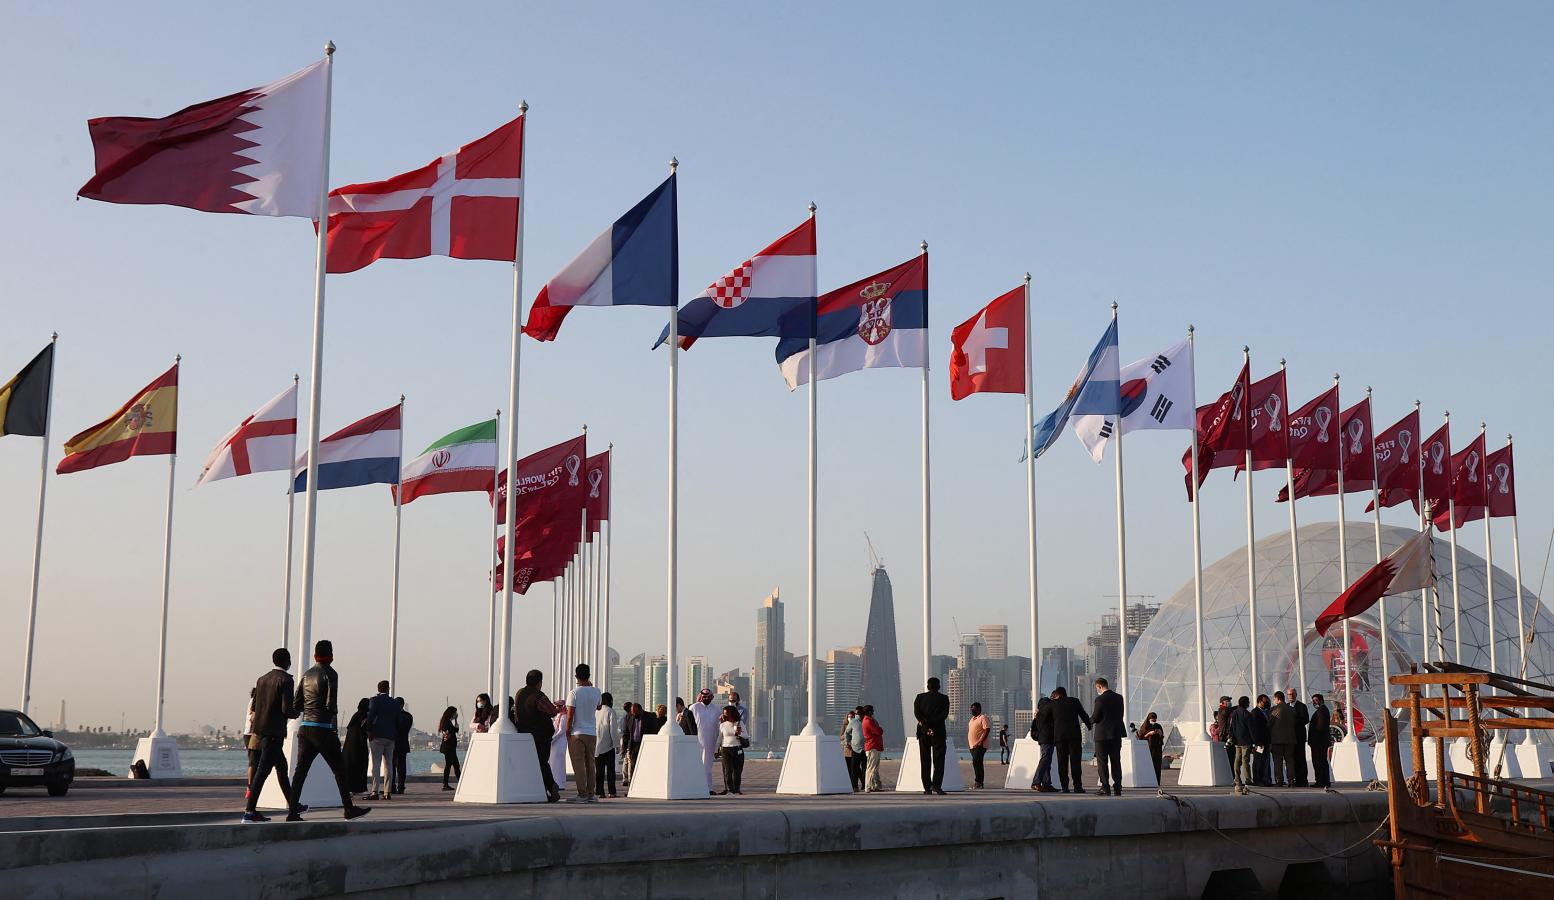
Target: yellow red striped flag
145	426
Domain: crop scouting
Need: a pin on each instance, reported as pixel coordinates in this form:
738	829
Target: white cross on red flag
464	205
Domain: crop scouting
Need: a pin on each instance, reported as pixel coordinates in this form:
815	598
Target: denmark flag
989	349
463	205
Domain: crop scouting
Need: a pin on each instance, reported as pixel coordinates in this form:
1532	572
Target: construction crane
875	560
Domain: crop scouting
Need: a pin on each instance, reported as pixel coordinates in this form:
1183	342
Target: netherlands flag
771	294
366	452
634	262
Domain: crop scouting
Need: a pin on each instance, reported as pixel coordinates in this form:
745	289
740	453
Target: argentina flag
1094	392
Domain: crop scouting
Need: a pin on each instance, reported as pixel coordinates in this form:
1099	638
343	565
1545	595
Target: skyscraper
881	682
767	673
656	684
997	639
843	681
698	675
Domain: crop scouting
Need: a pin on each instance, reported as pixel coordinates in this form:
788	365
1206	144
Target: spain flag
145	426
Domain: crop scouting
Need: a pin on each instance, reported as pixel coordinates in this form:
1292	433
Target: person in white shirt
731	735
582	732
707	717
607	727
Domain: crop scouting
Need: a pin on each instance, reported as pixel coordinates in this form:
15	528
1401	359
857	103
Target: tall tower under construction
881	685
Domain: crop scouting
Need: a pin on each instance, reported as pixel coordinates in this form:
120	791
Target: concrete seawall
987	845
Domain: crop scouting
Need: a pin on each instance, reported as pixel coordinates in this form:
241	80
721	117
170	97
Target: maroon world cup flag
1436	459
549	479
1502	483
1223	431
1468	487
1398	460
1314	445
1270	433
598	483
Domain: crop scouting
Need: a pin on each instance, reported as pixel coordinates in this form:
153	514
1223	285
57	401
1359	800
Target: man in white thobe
707	730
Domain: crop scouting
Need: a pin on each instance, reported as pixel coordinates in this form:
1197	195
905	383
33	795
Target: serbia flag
877	322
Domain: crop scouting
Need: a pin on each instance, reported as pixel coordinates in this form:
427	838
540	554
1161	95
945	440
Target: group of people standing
1055	728
1264	742
863	744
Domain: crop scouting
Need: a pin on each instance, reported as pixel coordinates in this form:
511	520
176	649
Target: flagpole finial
1028	282
812	207
1416	404
1335	377
401	399
923	246
1246	350
1367	390
329	48
177	358
1281	362
674	163
523	107
54	337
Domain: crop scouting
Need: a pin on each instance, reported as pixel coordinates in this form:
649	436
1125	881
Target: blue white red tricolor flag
878	322
366	452
634	262
1156	393
771	294
1095	392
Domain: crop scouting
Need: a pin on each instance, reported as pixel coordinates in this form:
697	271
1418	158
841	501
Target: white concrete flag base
814	765
1458	758
910	776
500	767
1504	755
1535	759
1020	774
1353	762
1205	764
671	768
1138	770
320	791
160	754
560	760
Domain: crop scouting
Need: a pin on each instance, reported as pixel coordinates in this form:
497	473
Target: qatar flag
1397	462
259	152
1408	568
988	349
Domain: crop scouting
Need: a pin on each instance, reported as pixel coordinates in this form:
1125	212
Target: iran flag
1408	568
462	461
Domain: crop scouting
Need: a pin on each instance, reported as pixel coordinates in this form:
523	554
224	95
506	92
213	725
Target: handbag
739	732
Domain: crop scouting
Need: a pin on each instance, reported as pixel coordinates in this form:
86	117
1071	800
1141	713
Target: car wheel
58	790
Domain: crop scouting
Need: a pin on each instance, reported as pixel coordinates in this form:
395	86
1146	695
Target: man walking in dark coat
1319	737
273	709
931	709
1110	730
403	722
1067	713
1302	777
1284	736
318	703
1243	734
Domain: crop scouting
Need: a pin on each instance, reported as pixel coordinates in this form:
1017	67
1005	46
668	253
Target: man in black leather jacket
318	696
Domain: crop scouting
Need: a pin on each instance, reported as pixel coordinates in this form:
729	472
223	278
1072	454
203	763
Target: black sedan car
30	757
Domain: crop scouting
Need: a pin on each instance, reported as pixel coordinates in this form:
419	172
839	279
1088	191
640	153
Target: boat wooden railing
1523	808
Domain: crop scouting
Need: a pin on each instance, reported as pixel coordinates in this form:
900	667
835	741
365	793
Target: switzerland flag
464	205
989	349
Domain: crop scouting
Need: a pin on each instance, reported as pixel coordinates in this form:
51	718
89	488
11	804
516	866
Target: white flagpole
811	720
927	529
504	724
1300	618
315	381
1030	503
1122	566
291	518
491	588
167	570
1424	594
1197	557
1386	641
1252	623
1343	585
37	541
670	676
393	654
607	528
567	620
1456	595
584	638
555	627
1489	558
1521	626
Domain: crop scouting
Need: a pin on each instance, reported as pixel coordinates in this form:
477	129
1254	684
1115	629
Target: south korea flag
1157	393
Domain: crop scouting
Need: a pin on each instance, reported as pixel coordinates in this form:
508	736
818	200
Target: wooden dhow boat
1475	836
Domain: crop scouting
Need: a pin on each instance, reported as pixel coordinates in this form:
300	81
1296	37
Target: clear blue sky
1361	189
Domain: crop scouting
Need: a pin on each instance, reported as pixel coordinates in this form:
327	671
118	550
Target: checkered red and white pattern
734	288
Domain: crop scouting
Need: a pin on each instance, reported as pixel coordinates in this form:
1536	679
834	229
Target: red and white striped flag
264	442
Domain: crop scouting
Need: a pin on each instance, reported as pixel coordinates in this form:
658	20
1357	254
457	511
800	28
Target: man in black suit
1067	713
1042	733
273	708
1302	722
931	709
1110	730
1319	737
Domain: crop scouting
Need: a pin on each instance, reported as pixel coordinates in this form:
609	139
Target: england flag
1157	393
264	442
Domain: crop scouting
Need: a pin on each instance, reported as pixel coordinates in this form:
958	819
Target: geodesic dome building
1163	666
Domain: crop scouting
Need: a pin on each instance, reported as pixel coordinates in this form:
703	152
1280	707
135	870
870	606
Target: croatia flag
366	452
771	294
878	322
634	262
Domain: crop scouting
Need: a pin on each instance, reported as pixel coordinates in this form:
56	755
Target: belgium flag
24	400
